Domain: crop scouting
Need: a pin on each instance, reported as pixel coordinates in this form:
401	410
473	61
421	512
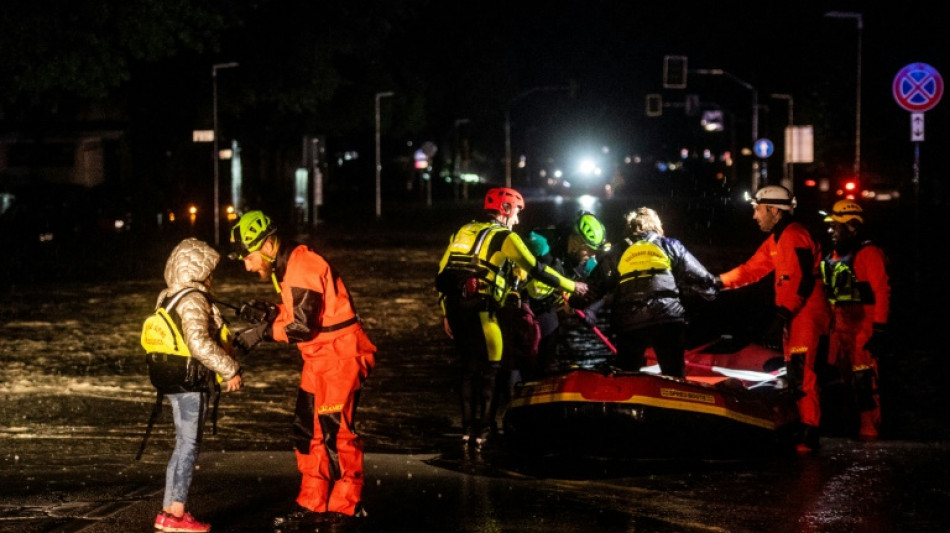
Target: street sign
916	127
917	87
763	148
799	144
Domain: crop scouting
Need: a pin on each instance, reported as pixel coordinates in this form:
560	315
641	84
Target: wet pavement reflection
74	400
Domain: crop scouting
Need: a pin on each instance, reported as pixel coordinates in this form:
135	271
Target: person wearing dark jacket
647	275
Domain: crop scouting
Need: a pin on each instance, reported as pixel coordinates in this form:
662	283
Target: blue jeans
187	412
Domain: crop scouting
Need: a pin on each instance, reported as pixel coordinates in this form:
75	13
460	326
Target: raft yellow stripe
647	401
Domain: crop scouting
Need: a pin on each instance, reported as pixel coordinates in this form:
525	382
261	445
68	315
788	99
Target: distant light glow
587	166
587	202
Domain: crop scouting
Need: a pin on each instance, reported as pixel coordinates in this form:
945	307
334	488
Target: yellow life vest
161	334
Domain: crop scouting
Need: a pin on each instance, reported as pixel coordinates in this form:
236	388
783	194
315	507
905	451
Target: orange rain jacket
317	314
794	257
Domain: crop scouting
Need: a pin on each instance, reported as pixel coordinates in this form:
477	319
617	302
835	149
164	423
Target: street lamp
508	125
458	152
755	113
859	20
379	165
214	155
789	178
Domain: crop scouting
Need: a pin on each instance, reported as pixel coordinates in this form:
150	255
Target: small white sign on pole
799	144
202	136
916	127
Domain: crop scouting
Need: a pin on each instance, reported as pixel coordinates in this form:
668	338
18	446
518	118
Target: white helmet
775	195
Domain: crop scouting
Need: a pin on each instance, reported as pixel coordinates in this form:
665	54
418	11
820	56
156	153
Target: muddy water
72	378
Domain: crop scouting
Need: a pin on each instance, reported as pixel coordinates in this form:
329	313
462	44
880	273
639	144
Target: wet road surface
74	400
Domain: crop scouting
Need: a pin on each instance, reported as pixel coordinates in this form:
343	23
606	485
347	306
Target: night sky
568	73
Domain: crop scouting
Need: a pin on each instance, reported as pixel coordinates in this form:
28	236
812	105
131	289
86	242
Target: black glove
718	285
774	333
880	343
248	338
257	312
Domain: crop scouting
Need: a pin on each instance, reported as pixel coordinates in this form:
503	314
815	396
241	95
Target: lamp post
859	21
789	178
214	154
379	165
755	113
508	125
458	153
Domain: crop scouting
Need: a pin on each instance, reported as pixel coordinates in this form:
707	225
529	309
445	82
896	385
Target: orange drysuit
794	257
859	288
317	314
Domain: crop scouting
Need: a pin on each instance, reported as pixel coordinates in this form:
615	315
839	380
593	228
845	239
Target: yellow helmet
845	211
247	236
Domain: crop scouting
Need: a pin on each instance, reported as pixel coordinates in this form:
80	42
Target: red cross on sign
917	87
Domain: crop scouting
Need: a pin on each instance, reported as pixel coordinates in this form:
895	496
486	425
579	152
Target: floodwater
74	400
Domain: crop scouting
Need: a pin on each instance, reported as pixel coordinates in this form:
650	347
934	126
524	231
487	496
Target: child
188	276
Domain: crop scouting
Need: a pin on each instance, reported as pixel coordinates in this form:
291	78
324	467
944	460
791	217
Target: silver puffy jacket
190	265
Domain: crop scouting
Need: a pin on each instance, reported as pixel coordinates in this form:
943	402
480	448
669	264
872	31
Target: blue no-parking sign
917	87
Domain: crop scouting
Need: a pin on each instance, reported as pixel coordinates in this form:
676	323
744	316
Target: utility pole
755	114
859	20
789	177
214	155
379	164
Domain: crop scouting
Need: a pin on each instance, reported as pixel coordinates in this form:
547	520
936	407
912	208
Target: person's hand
234	383
580	288
248	338
880	342
447	327
774	334
718	285
257	312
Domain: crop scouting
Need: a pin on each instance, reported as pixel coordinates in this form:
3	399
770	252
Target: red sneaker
184	524
160	521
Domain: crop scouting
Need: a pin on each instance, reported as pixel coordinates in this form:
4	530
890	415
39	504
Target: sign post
764	148
917	88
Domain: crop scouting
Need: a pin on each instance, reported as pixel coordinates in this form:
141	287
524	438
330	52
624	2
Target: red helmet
497	197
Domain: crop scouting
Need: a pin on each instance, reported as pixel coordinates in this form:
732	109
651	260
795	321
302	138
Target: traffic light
674	72
849	188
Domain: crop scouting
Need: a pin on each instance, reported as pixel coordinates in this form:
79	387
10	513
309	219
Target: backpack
171	369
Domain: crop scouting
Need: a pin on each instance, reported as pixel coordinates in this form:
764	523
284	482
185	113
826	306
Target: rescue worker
476	276
188	273
802	314
576	245
648	278
318	315
858	287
